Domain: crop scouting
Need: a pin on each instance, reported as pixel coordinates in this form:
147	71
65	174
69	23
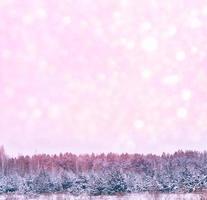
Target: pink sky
103	75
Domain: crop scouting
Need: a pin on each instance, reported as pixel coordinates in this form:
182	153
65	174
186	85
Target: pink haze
98	76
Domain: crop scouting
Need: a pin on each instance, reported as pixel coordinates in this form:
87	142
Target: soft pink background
103	75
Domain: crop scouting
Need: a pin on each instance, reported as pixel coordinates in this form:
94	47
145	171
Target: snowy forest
103	174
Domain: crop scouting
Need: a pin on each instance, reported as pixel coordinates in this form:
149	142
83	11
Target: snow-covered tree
97	184
115	183
42	183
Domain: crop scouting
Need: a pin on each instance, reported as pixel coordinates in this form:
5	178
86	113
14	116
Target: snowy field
126	197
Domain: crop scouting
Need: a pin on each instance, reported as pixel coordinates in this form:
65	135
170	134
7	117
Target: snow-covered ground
126	197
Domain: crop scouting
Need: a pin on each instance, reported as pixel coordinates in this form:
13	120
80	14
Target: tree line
103	174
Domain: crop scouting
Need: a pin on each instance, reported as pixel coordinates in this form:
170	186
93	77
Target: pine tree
116	183
42	183
96	185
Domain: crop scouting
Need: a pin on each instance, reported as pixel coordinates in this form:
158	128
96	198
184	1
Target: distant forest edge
103	174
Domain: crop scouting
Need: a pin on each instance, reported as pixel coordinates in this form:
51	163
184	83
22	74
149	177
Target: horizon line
2	148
